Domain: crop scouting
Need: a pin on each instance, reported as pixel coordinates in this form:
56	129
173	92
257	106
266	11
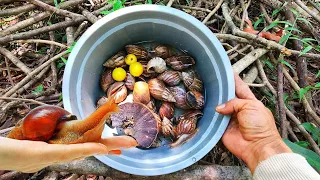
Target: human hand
31	156
251	134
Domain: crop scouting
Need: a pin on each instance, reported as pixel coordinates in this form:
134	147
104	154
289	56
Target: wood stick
247	60
54	9
244	13
54	70
82	26
41	42
251	75
33	73
28	34
20	9
309	11
269	44
288	112
305	102
91	17
170	3
15	60
213	12
22	99
8	70
282	113
93	166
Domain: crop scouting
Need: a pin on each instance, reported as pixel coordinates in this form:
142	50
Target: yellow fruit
136	69
119	74
130	58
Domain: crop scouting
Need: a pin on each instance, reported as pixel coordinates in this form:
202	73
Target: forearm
264	149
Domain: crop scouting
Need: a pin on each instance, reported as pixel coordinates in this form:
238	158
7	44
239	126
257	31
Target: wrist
264	149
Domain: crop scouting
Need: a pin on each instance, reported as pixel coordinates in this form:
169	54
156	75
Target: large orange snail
57	126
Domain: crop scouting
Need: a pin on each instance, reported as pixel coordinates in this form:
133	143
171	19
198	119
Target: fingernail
221	106
134	143
114	152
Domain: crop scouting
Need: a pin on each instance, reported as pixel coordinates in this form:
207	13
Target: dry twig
15	60
213	12
41	42
22	99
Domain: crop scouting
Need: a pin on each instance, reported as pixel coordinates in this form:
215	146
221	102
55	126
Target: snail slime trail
159	93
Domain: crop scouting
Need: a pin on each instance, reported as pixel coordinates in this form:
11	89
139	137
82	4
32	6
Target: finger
242	89
232	106
118	142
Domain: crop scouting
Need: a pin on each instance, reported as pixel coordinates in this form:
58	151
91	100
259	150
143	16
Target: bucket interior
108	39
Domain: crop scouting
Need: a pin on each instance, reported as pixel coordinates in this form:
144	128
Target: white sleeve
286	166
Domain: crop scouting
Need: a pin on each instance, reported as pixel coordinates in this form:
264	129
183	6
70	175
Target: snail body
55	125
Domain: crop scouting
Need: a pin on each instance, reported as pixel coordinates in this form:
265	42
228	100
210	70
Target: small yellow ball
119	74
136	69
130	58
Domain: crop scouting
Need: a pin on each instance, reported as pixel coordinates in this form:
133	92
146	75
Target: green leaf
64	60
317	85
55	2
49	22
303	91
150	2
71	47
255	25
305	50
60	98
38	89
269	64
318	74
315	132
287	64
60	65
307	40
284	38
312	158
273	24
275	12
161	3
188	2
304	20
117	5
294	11
303	144
292	29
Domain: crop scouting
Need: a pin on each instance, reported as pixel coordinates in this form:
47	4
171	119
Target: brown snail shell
102	101
129	81
195	100
141	92
145	72
192	114
156	64
179	95
163	51
118	60
118	90
180	62
159	91
192	82
106	80
167	128
152	105
171	78
138	51
166	110
183	139
186	126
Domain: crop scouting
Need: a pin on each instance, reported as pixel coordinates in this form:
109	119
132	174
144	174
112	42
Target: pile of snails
149	103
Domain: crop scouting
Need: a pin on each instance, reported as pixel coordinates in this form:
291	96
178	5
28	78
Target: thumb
232	106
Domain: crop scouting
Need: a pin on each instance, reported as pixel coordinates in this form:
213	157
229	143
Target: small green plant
314	131
38	89
56	2
304	90
312	158
318	74
116	5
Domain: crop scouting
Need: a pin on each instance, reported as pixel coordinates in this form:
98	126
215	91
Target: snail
55	125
